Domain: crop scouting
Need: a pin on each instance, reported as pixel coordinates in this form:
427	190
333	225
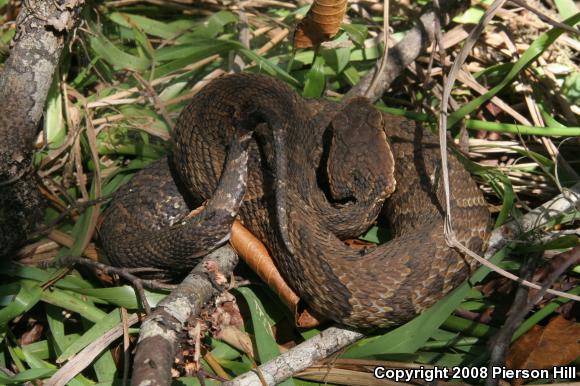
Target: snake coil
314	173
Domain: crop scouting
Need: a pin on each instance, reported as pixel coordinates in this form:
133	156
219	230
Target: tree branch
405	52
24	85
298	358
159	335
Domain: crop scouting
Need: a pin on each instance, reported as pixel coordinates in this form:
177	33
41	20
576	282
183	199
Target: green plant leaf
566	8
357	32
26	298
315	79
118	58
266	345
27	375
73	303
54	122
98	329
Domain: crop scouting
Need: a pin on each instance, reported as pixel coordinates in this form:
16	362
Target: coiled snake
317	172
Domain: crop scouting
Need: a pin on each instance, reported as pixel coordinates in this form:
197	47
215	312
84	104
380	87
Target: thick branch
298	358
159	335
406	51
24	85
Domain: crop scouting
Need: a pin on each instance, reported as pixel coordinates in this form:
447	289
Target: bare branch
405	52
298	358
24	86
159	335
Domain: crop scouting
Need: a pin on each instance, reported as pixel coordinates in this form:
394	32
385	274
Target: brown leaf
493	109
255	254
32	335
556	344
359	244
237	338
320	23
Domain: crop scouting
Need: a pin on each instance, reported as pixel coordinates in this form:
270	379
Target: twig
159	336
126	273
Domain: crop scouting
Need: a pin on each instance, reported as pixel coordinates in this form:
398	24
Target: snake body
319	172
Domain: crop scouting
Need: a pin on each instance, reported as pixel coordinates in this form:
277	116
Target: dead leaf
237	338
556	344
320	23
359	244
32	335
255	254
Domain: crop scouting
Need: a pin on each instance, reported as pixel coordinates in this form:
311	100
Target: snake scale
303	175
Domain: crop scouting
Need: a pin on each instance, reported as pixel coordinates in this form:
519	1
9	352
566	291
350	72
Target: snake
303	175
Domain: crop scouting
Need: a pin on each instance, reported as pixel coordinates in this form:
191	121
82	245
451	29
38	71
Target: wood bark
160	334
24	84
406	51
298	358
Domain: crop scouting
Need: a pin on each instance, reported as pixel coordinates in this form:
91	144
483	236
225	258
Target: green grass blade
32	273
98	329
117	57
151	26
26	376
27	297
54	122
553	131
566	8
55	320
123	296
315	79
266	345
73	303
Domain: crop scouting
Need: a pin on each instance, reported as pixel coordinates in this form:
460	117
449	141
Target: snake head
360	161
